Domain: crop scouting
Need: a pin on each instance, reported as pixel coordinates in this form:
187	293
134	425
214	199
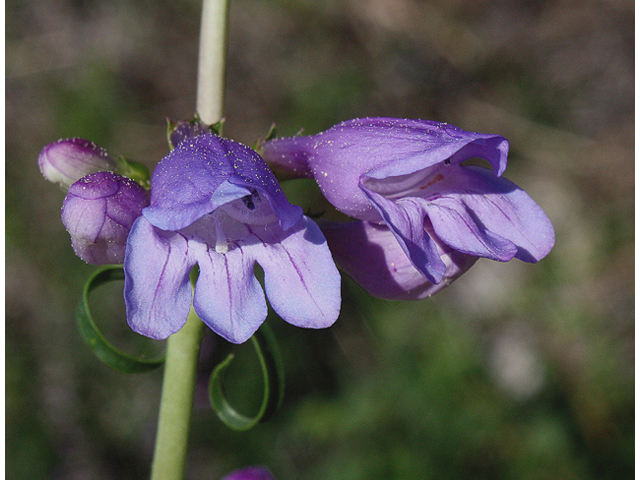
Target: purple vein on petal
164	268
304	284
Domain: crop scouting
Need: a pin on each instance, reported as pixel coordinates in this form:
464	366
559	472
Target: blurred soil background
516	371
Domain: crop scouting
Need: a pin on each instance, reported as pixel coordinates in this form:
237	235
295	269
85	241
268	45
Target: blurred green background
516	371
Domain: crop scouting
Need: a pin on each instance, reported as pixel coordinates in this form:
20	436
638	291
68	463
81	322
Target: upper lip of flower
205	173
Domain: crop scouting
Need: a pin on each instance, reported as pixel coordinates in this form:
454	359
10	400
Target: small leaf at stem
101	347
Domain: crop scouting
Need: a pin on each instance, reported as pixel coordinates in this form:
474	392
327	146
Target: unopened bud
98	213
66	161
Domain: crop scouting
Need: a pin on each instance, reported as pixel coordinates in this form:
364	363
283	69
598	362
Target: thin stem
211	64
176	403
183	347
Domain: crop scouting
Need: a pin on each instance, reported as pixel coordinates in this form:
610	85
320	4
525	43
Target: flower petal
228	297
350	152
406	220
189	182
157	290
458	226
300	277
500	207
205	172
371	255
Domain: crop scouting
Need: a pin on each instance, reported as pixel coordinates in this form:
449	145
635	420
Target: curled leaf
273	377
101	347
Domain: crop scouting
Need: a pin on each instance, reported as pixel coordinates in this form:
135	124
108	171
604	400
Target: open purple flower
98	213
215	203
409	175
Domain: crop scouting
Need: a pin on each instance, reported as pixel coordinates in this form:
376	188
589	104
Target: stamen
435	179
222	245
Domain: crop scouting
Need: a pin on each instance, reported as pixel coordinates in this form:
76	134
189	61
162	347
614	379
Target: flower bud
98	212
67	161
179	131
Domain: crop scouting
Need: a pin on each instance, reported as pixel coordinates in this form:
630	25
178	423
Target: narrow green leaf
101	347
266	347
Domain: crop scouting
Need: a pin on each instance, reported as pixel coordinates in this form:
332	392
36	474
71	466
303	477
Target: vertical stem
183	347
176	402
211	64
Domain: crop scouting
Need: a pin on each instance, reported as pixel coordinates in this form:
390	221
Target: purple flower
409	175
67	161
98	213
250	473
215	203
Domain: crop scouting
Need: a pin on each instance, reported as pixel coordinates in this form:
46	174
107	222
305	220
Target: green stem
211	64
176	403
183	347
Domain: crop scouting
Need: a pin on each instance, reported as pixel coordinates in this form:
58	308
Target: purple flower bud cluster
100	205
421	217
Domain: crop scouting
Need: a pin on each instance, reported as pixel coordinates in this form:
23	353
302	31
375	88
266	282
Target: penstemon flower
215	203
409	176
98	212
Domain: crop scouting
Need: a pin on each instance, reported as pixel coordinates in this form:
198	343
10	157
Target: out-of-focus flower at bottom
250	473
370	254
98	213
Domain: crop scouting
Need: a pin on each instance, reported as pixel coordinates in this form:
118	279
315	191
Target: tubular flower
98	213
408	175
215	203
68	160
